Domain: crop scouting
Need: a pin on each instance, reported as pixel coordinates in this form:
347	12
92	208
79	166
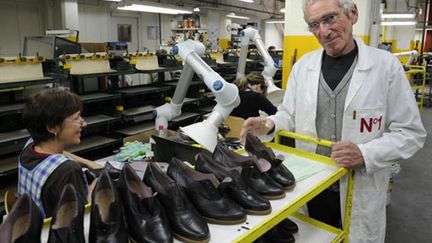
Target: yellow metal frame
415	69
292	207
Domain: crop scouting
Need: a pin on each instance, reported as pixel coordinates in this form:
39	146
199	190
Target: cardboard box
145	136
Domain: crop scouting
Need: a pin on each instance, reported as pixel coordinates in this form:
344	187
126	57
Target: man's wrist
271	131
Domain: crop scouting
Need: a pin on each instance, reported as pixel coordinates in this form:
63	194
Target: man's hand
347	155
257	126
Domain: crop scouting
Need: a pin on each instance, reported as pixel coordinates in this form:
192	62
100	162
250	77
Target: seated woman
252	91
53	119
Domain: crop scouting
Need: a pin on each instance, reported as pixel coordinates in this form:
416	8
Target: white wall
273	35
94	23
402	34
19	18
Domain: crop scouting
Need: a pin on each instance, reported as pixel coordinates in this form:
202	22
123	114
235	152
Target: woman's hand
87	163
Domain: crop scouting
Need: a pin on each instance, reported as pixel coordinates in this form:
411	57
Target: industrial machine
226	95
413	55
248	35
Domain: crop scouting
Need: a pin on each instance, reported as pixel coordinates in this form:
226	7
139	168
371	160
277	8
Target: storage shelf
132	112
136	129
96	74
92	143
185	116
188	100
96	97
99	120
8	165
207	109
141	90
11	109
12	136
192	83
160	69
21	83
310	230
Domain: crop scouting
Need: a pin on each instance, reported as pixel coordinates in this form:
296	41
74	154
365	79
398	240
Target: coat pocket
365	124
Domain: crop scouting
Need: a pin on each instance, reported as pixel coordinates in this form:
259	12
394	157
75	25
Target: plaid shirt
32	181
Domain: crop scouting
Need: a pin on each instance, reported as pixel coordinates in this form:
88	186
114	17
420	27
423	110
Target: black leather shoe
288	226
238	190
107	222
23	224
253	172
201	189
275	235
67	223
186	223
278	171
145	218
113	172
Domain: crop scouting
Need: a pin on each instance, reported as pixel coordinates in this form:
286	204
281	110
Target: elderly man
358	97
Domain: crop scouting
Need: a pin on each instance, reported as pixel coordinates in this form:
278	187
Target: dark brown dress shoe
67	223
254	171
202	190
185	222
238	189
107	222
23	224
278	171
144	214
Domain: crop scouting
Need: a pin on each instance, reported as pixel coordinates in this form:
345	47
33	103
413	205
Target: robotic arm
275	94
226	94
412	54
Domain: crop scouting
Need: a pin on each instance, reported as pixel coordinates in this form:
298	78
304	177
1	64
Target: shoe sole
258	212
289	188
274	197
225	222
187	240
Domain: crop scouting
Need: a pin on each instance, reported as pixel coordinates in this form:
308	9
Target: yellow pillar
298	40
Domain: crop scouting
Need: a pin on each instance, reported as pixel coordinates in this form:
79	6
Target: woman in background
252	91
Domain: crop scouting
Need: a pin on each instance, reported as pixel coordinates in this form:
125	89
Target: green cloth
300	167
133	151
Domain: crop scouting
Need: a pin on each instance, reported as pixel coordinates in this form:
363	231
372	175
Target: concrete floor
409	215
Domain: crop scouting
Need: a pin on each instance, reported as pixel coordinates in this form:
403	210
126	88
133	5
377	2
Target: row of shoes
222	189
24	222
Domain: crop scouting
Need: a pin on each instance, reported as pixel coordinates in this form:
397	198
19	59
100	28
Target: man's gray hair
346	5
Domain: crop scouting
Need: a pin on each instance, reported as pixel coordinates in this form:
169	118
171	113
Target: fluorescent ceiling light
234	16
275	21
397	15
112	0
153	9
247	1
196	9
398	23
282	10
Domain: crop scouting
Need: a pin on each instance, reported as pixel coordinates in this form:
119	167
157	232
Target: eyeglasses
326	20
78	120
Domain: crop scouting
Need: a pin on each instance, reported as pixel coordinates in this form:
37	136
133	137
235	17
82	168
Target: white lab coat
381	116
